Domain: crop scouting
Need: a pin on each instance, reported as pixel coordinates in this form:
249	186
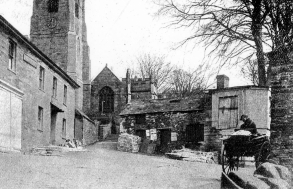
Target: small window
11	55
40	118
140	119
65	95
64	128
53	5
41	78
54	87
77	8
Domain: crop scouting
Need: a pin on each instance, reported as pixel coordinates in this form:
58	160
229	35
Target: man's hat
243	116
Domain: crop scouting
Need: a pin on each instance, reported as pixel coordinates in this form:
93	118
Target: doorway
53	127
54	111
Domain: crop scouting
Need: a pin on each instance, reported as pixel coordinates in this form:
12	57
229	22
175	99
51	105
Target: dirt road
102	168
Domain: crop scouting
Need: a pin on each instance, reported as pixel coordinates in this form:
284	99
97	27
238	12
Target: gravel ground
102	168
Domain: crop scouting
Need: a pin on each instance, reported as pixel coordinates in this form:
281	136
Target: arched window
106	100
53	5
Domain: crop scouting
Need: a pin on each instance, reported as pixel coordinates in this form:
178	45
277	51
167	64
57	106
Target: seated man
248	124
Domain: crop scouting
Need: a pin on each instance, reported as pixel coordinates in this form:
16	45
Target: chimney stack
222	81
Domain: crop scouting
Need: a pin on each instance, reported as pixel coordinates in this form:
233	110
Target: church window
53	5
106	100
77	8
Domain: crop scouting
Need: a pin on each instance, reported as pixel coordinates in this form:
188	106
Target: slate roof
161	106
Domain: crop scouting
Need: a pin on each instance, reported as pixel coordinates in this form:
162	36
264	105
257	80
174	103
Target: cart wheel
263	154
229	162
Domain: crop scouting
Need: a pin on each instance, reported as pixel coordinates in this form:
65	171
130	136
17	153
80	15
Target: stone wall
176	122
282	105
90	132
26	78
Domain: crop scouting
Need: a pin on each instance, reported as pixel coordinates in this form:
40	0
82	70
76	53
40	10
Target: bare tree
233	30
249	71
184	84
155	66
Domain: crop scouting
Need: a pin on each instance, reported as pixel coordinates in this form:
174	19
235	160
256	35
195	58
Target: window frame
55	84
42	78
12	55
40	118
65	95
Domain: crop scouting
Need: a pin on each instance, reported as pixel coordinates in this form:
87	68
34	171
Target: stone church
109	95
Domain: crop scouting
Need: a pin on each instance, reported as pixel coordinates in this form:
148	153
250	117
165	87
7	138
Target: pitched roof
14	32
106	71
161	106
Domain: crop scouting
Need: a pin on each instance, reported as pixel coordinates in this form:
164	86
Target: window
77	8
11	55
53	5
228	112
106	100
64	129
140	119
40	118
54	87
65	95
41	78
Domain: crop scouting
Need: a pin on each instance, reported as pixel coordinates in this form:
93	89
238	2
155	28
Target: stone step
112	137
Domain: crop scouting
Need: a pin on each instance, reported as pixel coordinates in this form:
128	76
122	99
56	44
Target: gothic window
106	100
53	5
77	8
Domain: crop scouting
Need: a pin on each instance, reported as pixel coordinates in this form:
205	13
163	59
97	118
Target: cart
236	147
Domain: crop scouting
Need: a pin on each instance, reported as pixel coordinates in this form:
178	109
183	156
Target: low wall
90	132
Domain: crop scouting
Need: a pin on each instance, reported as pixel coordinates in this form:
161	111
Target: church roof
108	72
14	32
161	106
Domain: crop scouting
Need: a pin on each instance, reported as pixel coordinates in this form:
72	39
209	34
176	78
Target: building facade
39	95
45	80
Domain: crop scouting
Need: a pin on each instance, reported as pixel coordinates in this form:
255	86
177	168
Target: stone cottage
170	123
109	95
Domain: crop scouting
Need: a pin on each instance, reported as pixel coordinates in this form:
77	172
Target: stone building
58	29
170	123
37	97
109	95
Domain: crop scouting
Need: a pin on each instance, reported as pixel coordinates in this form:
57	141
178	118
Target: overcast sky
119	31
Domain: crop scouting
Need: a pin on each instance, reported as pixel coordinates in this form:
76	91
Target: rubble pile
186	154
128	143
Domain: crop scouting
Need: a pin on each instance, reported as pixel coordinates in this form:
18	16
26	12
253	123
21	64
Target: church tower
58	29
